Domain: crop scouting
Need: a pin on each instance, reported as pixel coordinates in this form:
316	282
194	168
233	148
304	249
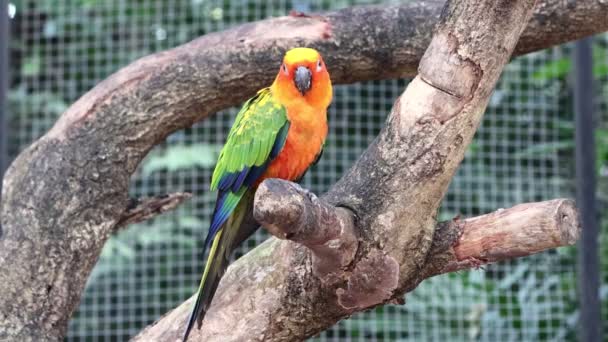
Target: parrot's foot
310	195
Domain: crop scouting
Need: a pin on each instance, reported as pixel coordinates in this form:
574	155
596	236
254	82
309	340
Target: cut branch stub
291	212
505	234
491	237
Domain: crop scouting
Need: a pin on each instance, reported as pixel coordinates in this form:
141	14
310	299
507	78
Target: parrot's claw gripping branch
291	212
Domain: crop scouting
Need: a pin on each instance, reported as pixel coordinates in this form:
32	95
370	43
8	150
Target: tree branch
505	234
288	211
525	229
291	212
65	194
142	209
243	59
394	190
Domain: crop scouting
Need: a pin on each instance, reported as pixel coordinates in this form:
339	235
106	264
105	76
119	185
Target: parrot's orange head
303	75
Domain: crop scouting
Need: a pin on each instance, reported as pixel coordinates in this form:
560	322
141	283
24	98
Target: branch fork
290	212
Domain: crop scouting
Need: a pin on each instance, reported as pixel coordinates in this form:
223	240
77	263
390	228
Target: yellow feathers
301	55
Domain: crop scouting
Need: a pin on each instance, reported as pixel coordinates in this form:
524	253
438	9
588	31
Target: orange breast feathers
302	146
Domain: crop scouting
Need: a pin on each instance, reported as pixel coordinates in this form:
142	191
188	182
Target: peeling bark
64	195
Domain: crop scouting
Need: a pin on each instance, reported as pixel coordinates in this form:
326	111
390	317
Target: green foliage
37	104
180	157
31	66
557	69
561	68
174	231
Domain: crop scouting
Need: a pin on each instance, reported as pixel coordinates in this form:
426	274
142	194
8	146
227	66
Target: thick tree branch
243	59
65	194
290	212
522	230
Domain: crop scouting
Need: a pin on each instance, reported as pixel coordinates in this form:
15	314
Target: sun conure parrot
279	133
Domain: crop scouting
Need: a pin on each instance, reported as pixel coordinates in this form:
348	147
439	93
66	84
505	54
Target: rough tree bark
65	194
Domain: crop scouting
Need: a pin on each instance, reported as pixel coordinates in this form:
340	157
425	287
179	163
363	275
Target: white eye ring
284	67
319	65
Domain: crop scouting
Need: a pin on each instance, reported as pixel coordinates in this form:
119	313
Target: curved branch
175	88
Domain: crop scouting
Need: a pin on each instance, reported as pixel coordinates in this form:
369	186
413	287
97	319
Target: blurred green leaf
600	70
555	69
560	68
537	150
31	66
180	157
600	62
42	102
164	233
174	230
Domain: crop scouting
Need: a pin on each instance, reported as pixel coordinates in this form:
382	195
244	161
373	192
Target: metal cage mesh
522	152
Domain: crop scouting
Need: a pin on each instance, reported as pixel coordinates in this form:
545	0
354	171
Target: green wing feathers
255	139
251	140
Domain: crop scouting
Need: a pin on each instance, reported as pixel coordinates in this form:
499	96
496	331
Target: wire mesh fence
522	152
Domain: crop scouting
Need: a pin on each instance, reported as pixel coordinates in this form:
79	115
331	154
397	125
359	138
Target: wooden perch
142	209
505	234
522	230
290	212
65	194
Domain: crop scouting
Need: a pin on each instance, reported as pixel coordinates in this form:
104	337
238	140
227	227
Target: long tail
233	210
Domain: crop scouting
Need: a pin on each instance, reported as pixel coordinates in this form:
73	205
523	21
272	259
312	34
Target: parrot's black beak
303	79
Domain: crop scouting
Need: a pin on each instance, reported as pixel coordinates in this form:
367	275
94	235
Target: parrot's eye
284	67
319	65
